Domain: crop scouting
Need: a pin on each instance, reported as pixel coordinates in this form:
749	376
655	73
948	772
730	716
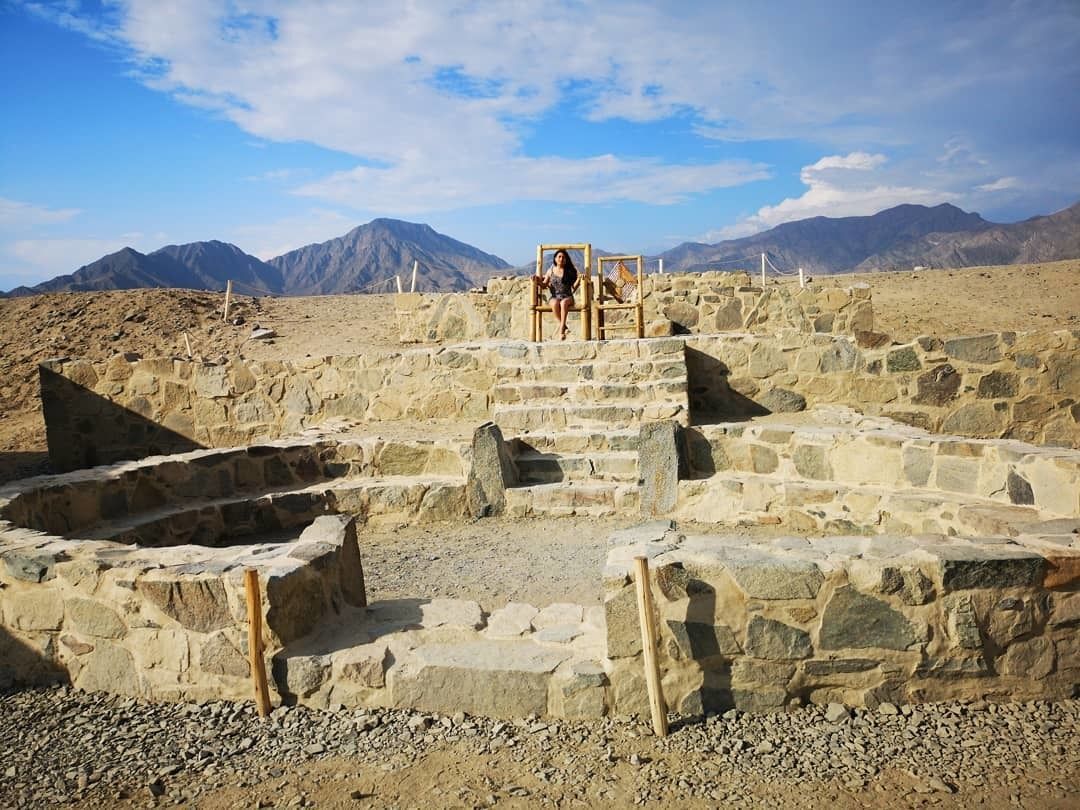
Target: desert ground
403	761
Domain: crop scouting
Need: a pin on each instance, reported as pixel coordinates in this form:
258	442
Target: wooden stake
255	647
228	299
187	342
398	280
412	287
648	646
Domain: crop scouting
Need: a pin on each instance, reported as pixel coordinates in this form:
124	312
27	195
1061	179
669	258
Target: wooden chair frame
605	303
537	306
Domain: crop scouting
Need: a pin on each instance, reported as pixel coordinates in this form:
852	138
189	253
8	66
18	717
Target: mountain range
368	257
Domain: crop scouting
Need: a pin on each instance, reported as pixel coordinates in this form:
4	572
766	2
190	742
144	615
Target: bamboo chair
582	303
617	289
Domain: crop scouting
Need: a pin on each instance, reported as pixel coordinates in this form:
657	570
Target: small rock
836	713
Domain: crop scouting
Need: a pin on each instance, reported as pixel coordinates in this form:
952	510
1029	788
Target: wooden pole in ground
228	299
415	265
187	342
648	646
398	280
763	272
255	647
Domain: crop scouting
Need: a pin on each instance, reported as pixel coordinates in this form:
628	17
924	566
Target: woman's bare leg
564	310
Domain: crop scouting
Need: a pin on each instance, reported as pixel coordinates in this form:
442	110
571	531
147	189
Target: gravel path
60	746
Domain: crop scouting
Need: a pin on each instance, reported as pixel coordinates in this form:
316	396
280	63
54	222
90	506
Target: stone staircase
572	412
596	385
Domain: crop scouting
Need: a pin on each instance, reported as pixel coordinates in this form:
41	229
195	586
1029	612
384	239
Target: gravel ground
61	746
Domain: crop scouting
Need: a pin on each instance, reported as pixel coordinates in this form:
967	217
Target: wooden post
228	299
641	295
648	646
412	287
661	267
802	278
398	280
763	272
255	647
187	342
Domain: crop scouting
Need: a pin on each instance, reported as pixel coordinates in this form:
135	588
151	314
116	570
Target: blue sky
635	126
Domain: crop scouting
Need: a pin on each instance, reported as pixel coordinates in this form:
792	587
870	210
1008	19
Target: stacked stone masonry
683	303
1011	385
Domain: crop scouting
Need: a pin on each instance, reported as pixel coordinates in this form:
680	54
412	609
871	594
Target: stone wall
1012	385
174	627
1022	385
129	407
854	620
681	303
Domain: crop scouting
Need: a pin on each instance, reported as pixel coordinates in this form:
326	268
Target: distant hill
197	266
904	236
367	257
370	255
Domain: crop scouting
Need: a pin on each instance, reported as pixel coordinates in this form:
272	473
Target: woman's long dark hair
568	263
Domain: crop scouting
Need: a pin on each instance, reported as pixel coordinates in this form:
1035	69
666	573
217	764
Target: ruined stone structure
923	548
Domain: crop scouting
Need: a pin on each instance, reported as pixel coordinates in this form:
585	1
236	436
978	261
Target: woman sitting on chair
561	278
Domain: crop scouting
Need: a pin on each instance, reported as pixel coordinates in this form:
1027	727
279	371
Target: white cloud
272	239
1001	184
438	101
837	186
15	215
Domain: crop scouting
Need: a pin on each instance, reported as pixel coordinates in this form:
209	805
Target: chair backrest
618	281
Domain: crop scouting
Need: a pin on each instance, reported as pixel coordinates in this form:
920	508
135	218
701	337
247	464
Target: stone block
838	666
623	628
557	614
494	678
976	419
658	467
937	387
998	385
747	671
93	618
1033	658
197	604
963	626
364	665
109	668
901	360
974	567
853	620
34	610
29	565
768	638
301	675
459	613
759	700
220	656
982	349
812	461
511	620
768	576
491	472
700	640
781	400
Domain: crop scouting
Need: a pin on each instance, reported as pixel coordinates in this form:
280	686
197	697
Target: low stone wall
1011	385
681	303
172	626
854	620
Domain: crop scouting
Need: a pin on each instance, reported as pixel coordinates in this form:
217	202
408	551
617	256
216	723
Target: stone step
851	450
599	392
513	418
545	468
829	507
576	351
593	498
576	441
625	371
228	521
